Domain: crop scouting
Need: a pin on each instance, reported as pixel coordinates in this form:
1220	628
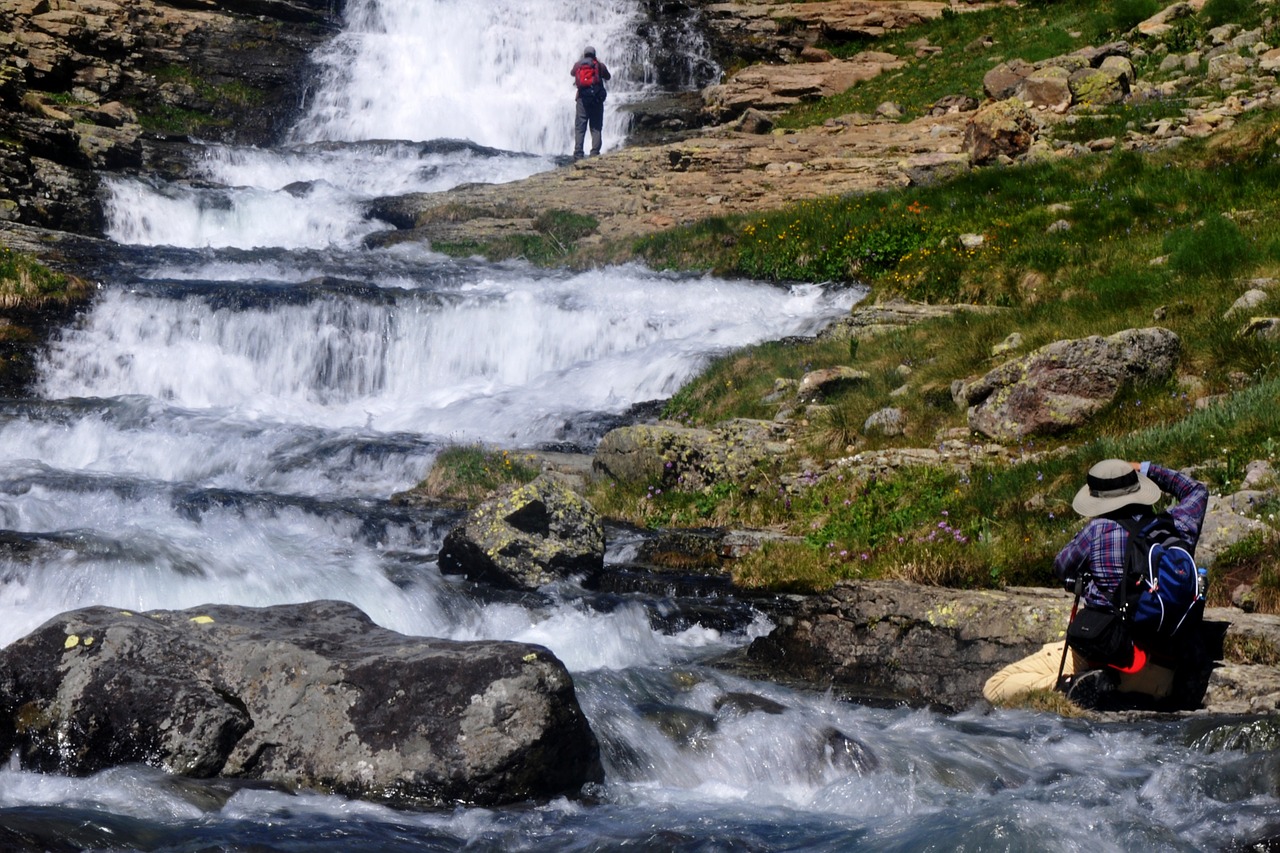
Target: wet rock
527	536
305	696
685	727
846	753
939	645
1064	383
740	704
1247	737
106	56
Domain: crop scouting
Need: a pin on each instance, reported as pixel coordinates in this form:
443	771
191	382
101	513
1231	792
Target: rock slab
309	696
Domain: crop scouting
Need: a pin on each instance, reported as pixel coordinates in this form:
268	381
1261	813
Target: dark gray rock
305	696
527	536
939	645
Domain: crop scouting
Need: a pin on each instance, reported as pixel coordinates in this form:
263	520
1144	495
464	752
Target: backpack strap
1136	528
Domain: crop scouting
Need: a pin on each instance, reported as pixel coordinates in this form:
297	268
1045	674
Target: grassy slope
1209	210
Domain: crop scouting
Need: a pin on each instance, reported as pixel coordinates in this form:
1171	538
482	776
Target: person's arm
1192	498
1072	559
604	72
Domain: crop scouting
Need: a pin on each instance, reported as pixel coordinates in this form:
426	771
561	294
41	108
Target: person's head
588	52
1112	485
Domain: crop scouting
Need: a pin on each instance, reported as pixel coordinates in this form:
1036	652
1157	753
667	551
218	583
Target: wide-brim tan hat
1112	484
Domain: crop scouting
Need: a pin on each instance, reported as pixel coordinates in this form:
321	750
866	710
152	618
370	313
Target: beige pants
1039	671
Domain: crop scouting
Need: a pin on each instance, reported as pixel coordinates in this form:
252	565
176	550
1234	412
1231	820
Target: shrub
1218	12
1127	14
1217	248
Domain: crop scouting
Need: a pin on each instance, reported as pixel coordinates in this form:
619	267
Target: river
227	420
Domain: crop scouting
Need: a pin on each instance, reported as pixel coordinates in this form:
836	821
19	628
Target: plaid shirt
1100	547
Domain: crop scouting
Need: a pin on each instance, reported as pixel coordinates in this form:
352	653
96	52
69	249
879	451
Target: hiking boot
1091	690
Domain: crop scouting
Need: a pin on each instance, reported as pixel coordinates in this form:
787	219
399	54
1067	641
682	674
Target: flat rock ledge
938	645
312	696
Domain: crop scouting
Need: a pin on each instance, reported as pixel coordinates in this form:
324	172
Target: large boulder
1062	384
1000	129
527	536
305	696
667	455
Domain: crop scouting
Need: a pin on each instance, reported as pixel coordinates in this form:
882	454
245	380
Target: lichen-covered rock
1095	87
1003	128
527	536
688	458
305	696
1062	384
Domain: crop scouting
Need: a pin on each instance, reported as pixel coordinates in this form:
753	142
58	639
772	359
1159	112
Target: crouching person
1117	497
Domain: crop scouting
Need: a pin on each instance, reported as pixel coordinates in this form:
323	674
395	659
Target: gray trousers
590	112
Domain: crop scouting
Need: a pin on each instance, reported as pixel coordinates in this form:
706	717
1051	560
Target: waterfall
495	72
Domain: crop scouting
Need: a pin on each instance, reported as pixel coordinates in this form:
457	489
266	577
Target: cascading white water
226	426
402	73
494	72
454	362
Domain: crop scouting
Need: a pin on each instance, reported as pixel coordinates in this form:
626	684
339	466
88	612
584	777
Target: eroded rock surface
305	696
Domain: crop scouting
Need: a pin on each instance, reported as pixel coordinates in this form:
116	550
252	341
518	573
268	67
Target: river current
228	419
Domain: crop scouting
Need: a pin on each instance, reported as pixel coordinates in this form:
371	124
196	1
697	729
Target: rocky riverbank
93	89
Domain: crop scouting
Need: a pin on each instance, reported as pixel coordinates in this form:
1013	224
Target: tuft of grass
27	283
1215	249
468	474
555	236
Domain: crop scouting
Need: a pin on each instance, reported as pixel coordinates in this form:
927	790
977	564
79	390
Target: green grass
170	119
466	474
27	283
1069	248
972	44
1173	234
555	238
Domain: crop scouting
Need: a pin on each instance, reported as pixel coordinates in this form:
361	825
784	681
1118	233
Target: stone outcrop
1003	129
779	87
940	645
89	87
304	696
770	31
1063	383
527	536
671	456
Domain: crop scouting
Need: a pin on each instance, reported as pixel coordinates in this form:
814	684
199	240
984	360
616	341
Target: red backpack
586	73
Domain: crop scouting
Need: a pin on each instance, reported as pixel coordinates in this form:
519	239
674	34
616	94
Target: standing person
589	75
1114	489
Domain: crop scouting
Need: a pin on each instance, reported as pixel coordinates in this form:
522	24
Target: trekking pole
1075	605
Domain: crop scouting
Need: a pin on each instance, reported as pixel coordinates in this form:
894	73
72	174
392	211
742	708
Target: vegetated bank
1108	226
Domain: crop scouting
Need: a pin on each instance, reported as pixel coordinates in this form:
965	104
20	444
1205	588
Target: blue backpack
1162	595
